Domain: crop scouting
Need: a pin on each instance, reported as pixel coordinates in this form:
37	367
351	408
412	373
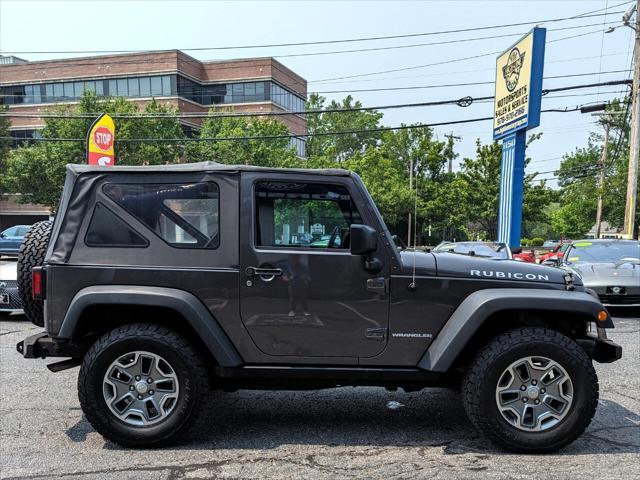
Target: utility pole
601	165
634	139
410	189
451	138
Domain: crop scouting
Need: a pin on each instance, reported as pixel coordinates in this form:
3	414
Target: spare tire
32	252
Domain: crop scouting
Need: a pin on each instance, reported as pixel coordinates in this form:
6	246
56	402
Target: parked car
9	298
11	239
557	252
611	268
493	250
522	256
550	244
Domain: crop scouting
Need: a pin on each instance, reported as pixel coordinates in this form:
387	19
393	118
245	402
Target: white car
9	298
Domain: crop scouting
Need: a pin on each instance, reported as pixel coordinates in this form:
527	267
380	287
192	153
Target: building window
134	87
299	145
183	215
145	87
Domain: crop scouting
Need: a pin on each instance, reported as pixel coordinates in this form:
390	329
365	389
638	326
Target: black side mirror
364	239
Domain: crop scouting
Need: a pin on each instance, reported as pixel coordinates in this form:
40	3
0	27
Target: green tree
388	185
578	177
37	171
481	177
340	147
272	152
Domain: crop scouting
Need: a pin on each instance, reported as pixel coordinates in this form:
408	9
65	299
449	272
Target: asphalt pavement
339	433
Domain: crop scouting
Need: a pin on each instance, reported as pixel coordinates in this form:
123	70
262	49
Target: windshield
491	250
602	252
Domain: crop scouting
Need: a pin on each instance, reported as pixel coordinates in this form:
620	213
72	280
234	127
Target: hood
609	273
455	265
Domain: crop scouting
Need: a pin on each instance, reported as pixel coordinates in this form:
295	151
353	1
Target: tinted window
156	86
106	229
304	215
184	215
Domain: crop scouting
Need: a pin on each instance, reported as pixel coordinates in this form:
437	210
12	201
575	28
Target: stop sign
103	138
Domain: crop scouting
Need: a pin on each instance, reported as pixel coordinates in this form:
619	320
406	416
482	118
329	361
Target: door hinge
376	333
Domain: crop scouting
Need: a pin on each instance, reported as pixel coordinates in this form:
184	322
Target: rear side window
184	215
106	229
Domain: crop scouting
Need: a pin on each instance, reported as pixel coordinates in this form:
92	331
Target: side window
106	229
10	232
303	215
183	215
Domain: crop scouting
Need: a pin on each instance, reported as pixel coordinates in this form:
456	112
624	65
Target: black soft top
81	181
204	167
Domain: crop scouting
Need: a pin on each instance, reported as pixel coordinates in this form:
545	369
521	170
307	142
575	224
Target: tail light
37	283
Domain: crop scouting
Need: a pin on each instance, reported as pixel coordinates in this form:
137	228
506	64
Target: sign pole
511	188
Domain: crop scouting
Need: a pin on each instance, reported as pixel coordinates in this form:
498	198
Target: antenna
412	285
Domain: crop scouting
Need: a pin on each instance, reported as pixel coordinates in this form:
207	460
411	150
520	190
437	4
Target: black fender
185	303
480	305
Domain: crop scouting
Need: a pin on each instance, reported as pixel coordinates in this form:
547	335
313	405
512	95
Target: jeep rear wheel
31	254
142	385
531	390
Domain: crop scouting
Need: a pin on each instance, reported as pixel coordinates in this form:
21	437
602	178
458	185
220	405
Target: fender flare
185	303
478	306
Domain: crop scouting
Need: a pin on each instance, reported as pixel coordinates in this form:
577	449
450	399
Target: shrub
536	242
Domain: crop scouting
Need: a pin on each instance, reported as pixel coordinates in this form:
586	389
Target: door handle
263	272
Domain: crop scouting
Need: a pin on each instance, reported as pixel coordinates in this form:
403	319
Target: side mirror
364	239
2	235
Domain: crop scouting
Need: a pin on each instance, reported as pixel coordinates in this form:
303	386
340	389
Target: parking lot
348	432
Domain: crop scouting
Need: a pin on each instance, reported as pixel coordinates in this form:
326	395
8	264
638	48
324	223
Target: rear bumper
41	345
602	350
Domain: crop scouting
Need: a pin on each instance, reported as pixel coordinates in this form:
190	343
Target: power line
414	87
91	61
475	70
324	42
446	85
443	62
462	102
289	135
443	42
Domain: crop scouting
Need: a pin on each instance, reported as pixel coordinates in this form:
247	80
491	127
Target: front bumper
41	345
600	349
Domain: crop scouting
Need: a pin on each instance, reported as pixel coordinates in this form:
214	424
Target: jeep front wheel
142	385
531	390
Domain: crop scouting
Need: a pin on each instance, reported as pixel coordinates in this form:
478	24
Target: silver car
609	267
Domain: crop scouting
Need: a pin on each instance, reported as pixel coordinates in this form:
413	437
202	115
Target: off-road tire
482	376
31	254
187	363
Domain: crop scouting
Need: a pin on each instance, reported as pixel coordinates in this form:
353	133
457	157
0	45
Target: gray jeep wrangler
163	283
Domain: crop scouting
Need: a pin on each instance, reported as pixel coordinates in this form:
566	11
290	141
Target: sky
28	26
